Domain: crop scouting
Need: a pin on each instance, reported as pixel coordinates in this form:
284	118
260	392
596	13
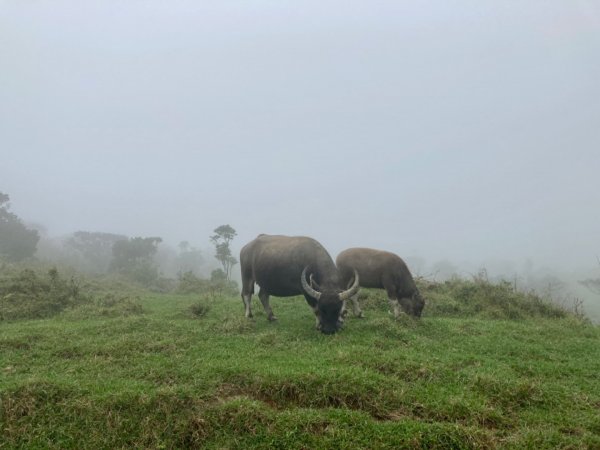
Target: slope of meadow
484	368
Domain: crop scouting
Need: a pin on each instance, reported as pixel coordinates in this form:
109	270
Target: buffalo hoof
360	315
272	318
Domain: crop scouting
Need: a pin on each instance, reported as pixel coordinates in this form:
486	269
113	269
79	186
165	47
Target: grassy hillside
483	368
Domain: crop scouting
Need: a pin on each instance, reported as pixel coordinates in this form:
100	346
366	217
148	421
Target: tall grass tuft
199	309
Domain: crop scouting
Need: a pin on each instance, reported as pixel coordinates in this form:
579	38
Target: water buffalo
280	265
383	270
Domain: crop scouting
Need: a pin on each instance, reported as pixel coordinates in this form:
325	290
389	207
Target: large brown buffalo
280	265
383	270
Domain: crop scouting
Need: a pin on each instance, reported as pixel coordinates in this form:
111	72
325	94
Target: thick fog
466	133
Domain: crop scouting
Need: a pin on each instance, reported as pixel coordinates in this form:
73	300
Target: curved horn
307	288
313	283
353	289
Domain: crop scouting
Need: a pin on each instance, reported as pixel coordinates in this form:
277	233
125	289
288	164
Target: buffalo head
328	303
413	305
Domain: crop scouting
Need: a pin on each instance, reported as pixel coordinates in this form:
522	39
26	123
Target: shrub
28	295
199	309
478	297
192	284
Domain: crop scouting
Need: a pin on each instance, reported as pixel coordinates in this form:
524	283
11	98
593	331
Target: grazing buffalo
383	270
280	265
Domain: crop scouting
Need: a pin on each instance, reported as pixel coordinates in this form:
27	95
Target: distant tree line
17	242
95	252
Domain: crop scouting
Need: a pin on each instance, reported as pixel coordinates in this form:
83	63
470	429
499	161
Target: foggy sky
466	130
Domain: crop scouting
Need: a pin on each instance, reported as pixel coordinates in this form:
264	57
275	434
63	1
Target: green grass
189	371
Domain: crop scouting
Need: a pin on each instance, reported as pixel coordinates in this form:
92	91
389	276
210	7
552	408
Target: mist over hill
461	137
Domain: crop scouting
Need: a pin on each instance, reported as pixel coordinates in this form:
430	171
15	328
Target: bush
29	295
163	285
191	284
143	272
199	309
478	297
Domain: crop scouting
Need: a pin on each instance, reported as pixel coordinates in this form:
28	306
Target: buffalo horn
307	288
352	290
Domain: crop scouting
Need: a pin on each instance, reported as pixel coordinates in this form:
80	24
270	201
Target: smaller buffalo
382	270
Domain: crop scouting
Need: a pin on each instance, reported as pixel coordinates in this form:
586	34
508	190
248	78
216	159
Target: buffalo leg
314	306
397	310
247	291
247	298
356	307
393	298
264	299
317	320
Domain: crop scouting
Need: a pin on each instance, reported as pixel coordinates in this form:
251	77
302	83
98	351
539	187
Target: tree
135	258
218	275
17	242
95	248
189	259
223	236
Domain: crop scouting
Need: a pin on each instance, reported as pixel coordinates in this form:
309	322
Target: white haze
462	131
